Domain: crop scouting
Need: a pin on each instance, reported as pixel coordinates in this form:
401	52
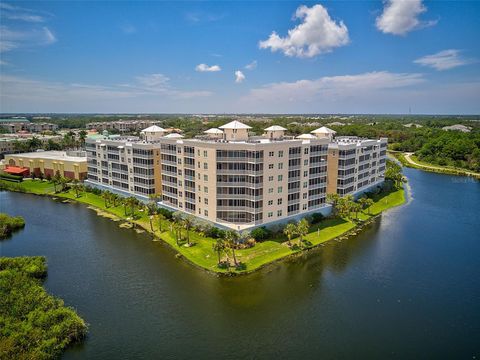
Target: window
271	153
199	176
270	166
270	178
205	212
198	152
180	194
280	166
279	213
280	153
205	177
270	214
280	189
205	166
270	202
199	199
179	161
270	191
305	162
305	195
205	189
279	201
304	207
305	184
199	188
205	153
305	173
205	201
280	177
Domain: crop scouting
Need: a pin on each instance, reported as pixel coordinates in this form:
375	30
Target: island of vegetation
9	224
228	252
33	323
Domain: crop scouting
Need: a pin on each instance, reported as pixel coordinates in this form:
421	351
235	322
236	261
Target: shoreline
358	227
405	159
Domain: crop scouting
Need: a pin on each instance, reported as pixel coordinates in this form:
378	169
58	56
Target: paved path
407	157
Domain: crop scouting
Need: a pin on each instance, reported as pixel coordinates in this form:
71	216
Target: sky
388	57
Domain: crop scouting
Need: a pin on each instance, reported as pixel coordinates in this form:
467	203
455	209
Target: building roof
153	128
275	128
235	125
323	130
15	170
213	131
54	155
174	136
306	136
458	127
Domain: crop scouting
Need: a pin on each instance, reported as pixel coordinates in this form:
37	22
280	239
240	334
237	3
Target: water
408	287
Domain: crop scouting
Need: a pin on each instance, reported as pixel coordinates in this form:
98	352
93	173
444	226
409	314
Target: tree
219	247
177	226
56	180
365	203
160	219
333	199
188	222
64	182
302	229
231	242
114	198
290	230
76	187
106	197
355	208
151	211
82	135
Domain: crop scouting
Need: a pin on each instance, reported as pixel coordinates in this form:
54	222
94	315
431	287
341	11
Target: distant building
121	126
457	127
16	125
8	141
70	164
409	125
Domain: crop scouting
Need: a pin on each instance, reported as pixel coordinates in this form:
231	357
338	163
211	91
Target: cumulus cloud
443	60
252	65
206	68
402	16
318	33
239	76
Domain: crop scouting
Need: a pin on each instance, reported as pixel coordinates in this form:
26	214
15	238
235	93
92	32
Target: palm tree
132	203
125	205
333	199
160	218
231	242
56	180
114	198
105	197
219	247
365	203
356	208
290	230
76	187
302	229
151	211
64	182
177	225
188	222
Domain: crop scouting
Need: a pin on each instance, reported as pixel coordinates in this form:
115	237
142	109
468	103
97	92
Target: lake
406	287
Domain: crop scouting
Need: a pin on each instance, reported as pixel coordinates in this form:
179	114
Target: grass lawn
202	253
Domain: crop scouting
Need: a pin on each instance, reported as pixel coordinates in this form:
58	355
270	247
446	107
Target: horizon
271	58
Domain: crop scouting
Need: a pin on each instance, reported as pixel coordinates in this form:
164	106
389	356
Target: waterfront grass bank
202	253
33	323
411	160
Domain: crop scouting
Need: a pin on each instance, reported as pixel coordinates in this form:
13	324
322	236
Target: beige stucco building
225	176
70	164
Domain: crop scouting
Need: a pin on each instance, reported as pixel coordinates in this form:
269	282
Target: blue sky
241	57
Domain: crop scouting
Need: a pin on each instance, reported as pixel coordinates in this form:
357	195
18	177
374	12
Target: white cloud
443	60
318	33
252	65
206	68
239	76
330	91
12	39
26	17
37	95
402	16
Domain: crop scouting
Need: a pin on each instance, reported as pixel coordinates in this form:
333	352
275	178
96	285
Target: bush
261	233
8	224
10	177
33	324
166	213
316	218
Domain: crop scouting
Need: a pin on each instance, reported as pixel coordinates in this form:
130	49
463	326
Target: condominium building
226	176
121	126
16	125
